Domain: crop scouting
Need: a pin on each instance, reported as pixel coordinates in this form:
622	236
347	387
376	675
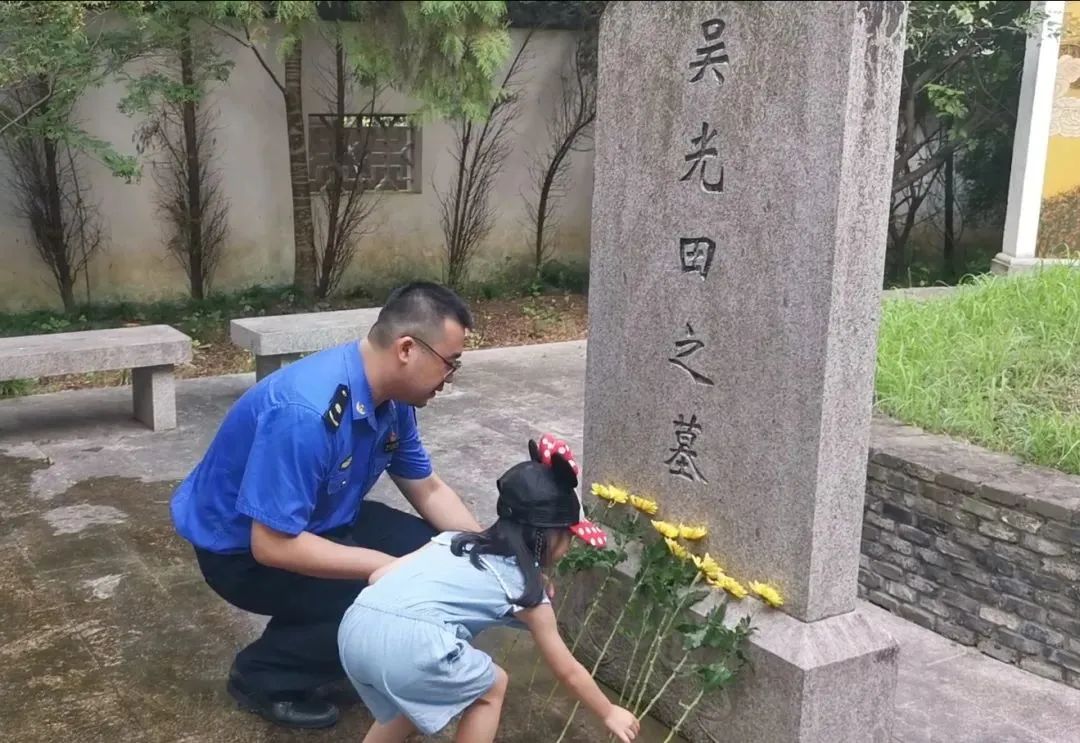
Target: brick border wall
975	546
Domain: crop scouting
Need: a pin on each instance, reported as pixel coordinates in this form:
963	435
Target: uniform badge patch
338	404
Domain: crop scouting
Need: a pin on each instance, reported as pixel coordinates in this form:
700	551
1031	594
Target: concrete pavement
108	633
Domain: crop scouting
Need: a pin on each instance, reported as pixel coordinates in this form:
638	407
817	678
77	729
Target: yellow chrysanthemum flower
677	549
710	568
733	587
767	593
729	584
610	493
644	505
617	495
692	532
670	531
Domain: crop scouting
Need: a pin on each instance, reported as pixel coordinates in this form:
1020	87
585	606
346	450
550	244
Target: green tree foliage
443	54
958	99
50	55
53	52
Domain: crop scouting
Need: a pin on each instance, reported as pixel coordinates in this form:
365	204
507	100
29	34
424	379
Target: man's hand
437	503
310	554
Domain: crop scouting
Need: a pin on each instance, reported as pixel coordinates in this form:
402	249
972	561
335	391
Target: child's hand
623	724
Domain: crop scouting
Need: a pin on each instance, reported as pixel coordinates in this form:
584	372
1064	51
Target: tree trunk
461	202
303	228
57	244
949	248
194	181
337	180
542	204
541	215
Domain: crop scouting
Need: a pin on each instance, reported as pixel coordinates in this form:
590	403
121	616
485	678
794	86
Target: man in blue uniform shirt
275	510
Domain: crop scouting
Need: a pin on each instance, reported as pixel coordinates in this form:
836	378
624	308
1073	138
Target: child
404	643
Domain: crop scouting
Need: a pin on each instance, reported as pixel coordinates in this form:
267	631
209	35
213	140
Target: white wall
253	159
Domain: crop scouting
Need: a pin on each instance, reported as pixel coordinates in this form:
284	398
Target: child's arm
545	631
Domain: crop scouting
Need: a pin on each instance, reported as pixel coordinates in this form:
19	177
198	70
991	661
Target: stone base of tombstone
809	682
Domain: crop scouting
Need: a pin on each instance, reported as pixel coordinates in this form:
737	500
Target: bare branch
479	152
247	42
52	198
346	205
568	131
26	111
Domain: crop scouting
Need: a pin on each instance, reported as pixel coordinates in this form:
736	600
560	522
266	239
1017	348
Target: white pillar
1030	143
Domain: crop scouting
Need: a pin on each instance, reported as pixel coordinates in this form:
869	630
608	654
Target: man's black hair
420	308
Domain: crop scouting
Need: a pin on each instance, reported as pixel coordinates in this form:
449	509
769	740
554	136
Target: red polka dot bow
550	445
584	529
591	533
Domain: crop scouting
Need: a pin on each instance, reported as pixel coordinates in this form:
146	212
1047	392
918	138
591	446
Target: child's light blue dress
405	642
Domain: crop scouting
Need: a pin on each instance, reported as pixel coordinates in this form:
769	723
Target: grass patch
997	363
204	320
523	314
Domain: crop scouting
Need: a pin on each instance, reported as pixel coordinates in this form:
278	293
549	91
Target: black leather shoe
304	713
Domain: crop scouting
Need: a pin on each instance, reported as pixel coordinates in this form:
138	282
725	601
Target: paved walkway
107	632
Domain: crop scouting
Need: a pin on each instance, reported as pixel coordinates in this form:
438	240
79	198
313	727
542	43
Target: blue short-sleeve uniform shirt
297	452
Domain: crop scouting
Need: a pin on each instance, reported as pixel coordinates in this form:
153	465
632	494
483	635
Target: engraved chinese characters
699	159
683	460
730	359
696	254
713	54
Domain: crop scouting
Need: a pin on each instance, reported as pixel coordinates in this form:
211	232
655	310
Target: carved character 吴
713	54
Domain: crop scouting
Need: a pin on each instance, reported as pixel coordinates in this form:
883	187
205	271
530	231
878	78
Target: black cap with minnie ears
540	493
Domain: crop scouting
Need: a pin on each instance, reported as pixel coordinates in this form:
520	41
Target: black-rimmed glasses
454	365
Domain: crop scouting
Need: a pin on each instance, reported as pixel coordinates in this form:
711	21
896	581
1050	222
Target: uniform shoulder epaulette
338	404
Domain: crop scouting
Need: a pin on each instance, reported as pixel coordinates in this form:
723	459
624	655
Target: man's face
431	362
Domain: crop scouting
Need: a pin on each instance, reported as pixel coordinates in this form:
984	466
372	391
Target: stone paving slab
107	632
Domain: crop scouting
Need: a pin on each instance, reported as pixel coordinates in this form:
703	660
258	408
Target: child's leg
481	720
395	731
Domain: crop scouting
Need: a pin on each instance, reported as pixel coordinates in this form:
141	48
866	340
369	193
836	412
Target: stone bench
279	339
150	351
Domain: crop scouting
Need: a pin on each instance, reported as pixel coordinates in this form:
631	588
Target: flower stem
658	644
625	693
593	606
633	654
666	684
636	692
558	611
536	663
686	713
607	644
508	648
569	719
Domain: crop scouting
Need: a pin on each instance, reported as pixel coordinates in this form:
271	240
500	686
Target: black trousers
298	651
